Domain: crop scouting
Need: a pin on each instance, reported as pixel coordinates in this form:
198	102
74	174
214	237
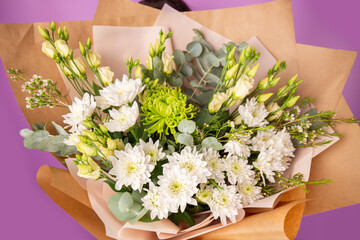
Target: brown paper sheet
17	41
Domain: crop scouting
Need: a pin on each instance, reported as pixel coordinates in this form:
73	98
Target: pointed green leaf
139	216
60	130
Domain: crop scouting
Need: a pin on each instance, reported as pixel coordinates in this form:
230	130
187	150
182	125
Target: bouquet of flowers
186	134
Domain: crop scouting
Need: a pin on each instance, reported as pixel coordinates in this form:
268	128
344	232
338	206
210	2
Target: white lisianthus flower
242	87
62	47
249	192
168	61
94	59
217	102
225	203
272	108
72	140
253	113
238	147
48	49
122	92
106	74
79	110
122	119
90	170
178	187
78	66
152	149
155	203
192	161
237	169
215	164
131	167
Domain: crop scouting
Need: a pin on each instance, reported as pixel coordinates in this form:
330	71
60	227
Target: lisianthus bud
111	144
82	49
106	74
292	101
85	148
78	65
217	102
48	49
52	26
272	108
62	47
156	46
264	97
93	59
292	80
90	170
149	63
242	56
151	50
139	73
231	72
168	61
242	87
91	135
253	70
273	82
263	83
44	33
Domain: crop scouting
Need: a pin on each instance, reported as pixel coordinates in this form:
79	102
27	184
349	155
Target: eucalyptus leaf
186	126
67	150
38	126
52	143
185	139
175	81
205	98
113	204
212	142
206	45
179	57
186	70
25	132
32	141
137	196
212	78
60	130
125	202
195	83
243	45
188	57
195	49
157	63
139	216
221	55
232	44
198	33
159	75
212	60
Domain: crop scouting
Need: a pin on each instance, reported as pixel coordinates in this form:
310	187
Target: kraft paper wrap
19	43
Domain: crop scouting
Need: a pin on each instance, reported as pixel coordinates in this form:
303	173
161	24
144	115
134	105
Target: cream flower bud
264	97
62	47
139	73
168	61
230	73
91	170
238	120
78	65
253	70
292	101
84	148
263	83
271	109
217	102
48	49
106	74
149	63
93	59
242	87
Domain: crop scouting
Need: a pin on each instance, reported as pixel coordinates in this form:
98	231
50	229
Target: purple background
27	212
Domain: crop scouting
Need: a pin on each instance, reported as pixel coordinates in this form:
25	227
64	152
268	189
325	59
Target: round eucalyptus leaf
221	55
32	141
175	81
114	208
179	57
195	49
52	143
212	78
25	132
195	83
159	75
125	202
211	142
232	45
139	216
243	45
60	130
185	139
66	150
212	60
137	196
157	63
186	70
186	126
171	148
188	57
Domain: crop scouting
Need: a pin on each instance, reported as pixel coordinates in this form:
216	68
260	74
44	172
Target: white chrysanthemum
215	164
131	167
122	92
238	147
79	110
253	113
152	149
72	140
101	102
191	160
155	202
237	169
249	192
178	187
205	193
263	139
122	119
268	162
284	143
225	203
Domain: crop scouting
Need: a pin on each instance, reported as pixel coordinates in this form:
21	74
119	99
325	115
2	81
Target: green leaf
205	98
147	218
185	216
137	196
316	122
175	81
212	78
159	75
221	55
198	33
185	139
243	45
38	126
32	141
97	89
212	60
139	216
186	126
212	142
158	171
203	117
232	45
188	57
157	63
60	130
113	204
195	49
67	150
125	202
186	70
25	132
179	57
52	143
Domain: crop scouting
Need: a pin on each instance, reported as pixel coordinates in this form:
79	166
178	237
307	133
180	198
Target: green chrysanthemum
163	108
